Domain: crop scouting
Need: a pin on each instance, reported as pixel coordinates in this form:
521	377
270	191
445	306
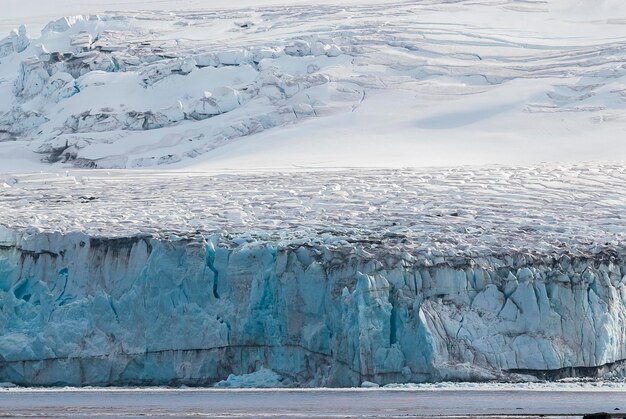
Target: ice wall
82	310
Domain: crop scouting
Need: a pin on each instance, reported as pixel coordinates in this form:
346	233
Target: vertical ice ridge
209	260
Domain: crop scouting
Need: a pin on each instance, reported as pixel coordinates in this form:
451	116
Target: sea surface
316	403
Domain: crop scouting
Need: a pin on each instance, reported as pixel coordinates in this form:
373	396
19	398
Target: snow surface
542	209
351	85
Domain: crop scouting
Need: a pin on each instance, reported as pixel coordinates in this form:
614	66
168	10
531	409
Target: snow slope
400	84
36	13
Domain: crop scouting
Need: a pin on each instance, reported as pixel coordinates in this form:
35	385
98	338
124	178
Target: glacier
78	310
468	243
320	279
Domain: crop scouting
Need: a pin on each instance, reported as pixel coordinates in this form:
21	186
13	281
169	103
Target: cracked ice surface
540	209
346	85
92	84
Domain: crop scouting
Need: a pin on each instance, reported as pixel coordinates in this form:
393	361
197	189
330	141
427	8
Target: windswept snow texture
328	278
395	84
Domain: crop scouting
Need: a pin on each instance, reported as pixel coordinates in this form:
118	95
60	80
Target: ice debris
262	378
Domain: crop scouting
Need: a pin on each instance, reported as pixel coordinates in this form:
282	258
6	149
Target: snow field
346	85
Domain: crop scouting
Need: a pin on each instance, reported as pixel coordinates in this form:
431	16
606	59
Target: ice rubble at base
179	312
263	378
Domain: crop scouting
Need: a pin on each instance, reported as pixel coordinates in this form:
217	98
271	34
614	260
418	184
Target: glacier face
83	310
326	278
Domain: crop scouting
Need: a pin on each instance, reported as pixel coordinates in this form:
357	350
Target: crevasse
81	310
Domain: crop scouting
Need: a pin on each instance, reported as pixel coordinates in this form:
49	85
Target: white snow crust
543	209
362	84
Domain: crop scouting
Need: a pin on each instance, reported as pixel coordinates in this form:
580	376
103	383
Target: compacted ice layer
332	278
79	310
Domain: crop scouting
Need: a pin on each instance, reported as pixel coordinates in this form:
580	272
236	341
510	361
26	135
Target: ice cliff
81	310
326	278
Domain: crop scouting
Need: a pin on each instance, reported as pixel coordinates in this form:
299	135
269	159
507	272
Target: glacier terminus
388	276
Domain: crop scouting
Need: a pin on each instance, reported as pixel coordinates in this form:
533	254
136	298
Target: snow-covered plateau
328	278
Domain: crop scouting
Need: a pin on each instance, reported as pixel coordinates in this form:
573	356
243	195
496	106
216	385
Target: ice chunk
19	122
31	78
188	66
63	24
220	100
81	42
206	60
20	39
299	48
61	85
332	50
233	57
6	47
17	41
262	378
